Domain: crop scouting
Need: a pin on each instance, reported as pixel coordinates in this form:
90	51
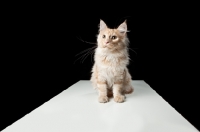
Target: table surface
77	109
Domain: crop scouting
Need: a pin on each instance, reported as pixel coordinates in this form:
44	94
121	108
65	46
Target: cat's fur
110	75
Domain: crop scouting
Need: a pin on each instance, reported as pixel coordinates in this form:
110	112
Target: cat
109	74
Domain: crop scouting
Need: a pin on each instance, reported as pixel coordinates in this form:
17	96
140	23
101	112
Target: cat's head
112	39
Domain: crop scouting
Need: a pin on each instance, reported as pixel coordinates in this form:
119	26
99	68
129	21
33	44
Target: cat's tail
94	82
93	78
128	89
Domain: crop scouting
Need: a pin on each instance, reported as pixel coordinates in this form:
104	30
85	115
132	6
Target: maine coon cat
110	75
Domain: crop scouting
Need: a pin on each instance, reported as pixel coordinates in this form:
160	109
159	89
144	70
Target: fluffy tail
128	89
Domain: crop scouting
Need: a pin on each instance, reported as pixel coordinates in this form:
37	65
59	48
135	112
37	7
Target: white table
77	110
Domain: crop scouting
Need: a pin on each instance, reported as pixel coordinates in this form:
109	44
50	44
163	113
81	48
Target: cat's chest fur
111	61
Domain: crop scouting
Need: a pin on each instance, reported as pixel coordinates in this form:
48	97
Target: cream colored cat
110	75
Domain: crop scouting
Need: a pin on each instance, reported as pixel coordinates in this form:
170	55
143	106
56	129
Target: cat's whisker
92	56
92	53
84	56
89	53
77	59
85	41
133	51
81	57
131	59
86	50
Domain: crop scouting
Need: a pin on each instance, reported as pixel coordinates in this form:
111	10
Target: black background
40	61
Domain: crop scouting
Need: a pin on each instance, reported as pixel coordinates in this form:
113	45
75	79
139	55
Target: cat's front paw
103	99
119	98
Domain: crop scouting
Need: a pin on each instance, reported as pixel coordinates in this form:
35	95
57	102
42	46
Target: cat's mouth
109	46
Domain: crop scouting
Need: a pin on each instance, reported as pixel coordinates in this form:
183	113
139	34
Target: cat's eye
104	36
113	37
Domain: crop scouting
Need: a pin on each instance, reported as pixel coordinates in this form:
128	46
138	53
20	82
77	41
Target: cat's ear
102	25
122	28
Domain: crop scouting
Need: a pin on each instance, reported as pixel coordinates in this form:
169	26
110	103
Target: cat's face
111	38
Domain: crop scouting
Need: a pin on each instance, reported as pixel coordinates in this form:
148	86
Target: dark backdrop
42	43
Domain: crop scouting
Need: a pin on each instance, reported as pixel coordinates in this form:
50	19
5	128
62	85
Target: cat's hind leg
128	88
